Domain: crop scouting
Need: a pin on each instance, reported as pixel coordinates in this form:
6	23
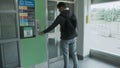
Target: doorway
53	37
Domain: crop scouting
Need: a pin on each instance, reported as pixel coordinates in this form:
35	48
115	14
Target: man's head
61	6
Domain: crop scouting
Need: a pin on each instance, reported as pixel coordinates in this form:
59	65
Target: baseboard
80	57
107	57
53	60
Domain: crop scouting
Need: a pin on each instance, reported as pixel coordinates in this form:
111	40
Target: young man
68	23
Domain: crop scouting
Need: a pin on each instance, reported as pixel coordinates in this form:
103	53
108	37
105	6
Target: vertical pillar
81	10
87	28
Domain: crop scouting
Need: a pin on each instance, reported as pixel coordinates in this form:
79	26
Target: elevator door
54	51
52	40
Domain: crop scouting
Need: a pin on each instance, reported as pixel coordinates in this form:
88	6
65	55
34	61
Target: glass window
105	25
52	10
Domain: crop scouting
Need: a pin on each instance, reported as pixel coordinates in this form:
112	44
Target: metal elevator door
54	51
9	34
52	46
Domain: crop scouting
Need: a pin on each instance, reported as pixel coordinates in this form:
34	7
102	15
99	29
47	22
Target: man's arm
51	27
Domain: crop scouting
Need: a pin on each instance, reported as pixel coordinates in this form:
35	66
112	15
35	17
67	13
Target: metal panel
7	5
1	60
9	34
46	20
9	40
8	25
0	30
53	52
10	54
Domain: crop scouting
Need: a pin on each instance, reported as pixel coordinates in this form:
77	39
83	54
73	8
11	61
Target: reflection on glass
51	12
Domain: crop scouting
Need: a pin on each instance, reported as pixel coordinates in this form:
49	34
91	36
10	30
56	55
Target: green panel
40	12
34	49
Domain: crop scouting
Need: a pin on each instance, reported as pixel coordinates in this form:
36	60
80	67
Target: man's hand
41	33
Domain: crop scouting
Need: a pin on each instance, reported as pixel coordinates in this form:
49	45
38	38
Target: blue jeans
69	47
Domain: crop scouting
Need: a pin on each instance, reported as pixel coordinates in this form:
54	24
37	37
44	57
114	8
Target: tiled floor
86	63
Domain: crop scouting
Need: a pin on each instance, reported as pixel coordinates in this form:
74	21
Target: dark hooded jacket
68	24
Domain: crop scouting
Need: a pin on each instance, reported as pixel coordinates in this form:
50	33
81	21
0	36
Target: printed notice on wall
27	12
28	32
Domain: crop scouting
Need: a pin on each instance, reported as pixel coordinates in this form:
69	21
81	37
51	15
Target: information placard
27	18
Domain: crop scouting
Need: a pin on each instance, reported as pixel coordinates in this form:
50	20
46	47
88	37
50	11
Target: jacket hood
66	13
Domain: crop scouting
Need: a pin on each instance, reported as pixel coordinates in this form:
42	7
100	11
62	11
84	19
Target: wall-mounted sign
28	32
27	17
26	3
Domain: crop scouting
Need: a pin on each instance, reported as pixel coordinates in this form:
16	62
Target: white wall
87	32
79	7
82	10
